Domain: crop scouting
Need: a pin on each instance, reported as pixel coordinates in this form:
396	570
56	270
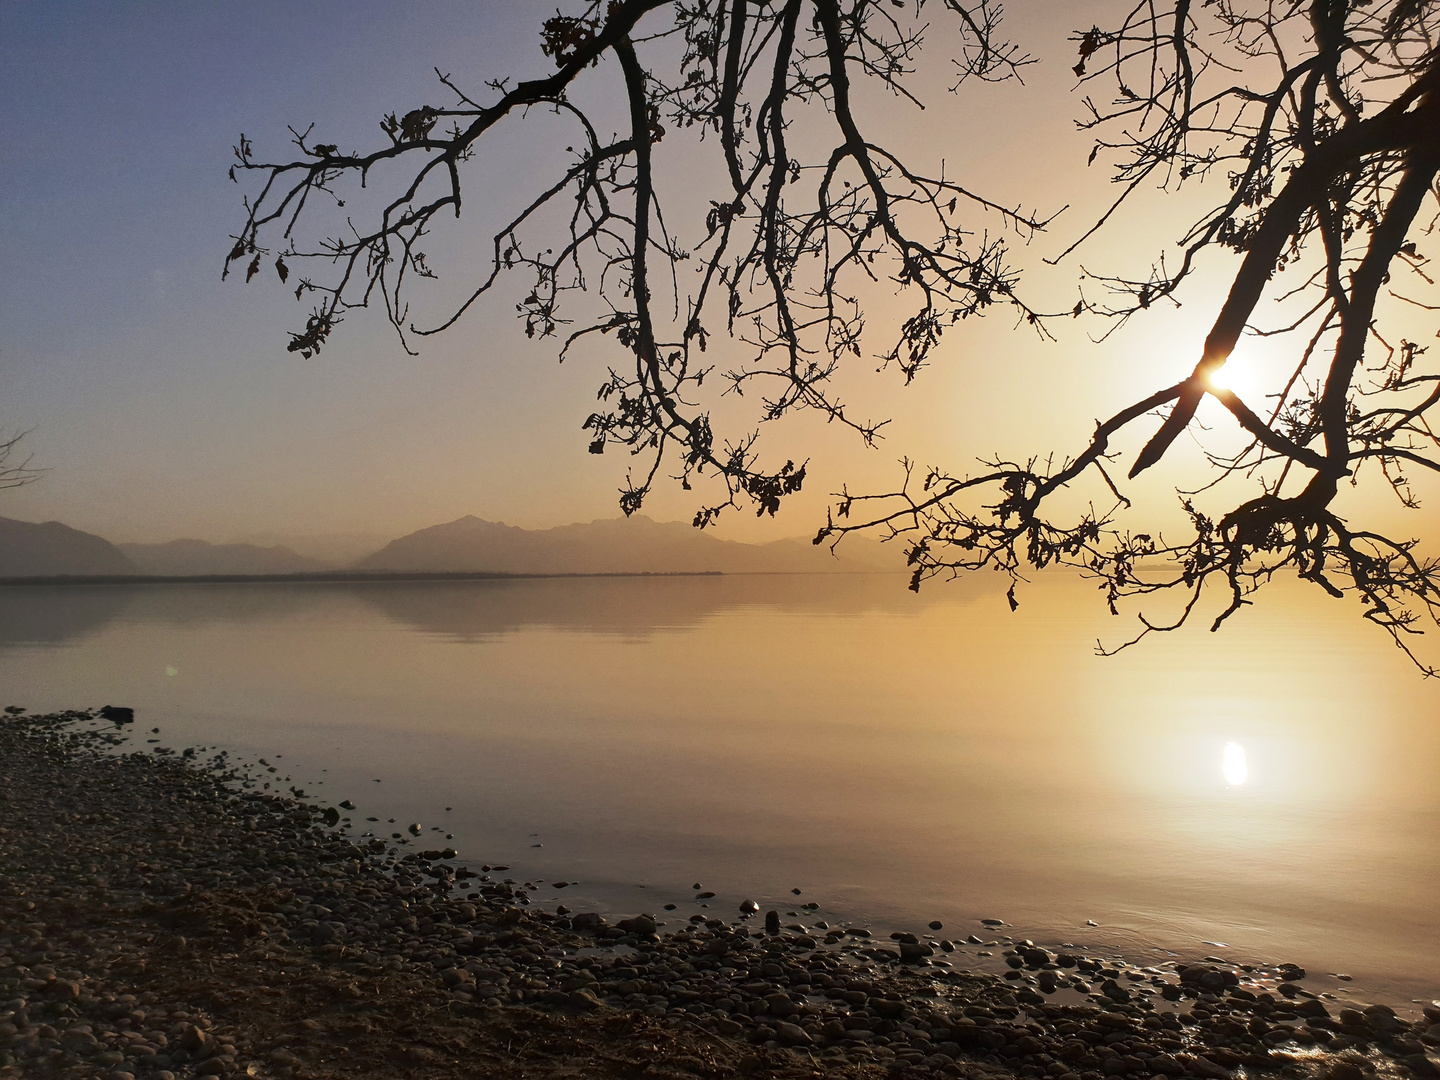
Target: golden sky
164	404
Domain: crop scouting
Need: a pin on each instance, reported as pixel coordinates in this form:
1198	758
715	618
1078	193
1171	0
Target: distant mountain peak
54	549
618	545
470	544
200	558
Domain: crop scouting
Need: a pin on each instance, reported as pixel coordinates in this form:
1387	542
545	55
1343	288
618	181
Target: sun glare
1239	376
1234	767
1245	374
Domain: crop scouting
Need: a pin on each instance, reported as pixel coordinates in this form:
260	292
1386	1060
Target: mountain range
187	558
636	545
52	549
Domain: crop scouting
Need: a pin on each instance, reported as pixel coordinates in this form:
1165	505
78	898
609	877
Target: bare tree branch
781	255
15	473
1332	155
1313	127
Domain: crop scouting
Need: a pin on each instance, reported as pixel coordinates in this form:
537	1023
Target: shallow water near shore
1271	792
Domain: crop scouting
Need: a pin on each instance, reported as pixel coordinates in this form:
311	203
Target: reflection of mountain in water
199	605
36	615
49	614
630	607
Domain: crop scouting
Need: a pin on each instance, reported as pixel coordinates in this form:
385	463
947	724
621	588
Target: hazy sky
164	404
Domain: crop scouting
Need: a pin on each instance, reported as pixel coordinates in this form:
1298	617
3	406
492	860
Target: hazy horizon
362	544
349	550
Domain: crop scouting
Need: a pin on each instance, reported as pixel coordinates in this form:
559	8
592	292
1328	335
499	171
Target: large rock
913	951
791	1034
641	925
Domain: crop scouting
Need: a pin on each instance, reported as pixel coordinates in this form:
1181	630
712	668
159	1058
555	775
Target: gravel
160	920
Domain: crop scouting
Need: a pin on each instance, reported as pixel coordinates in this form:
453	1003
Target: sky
162	403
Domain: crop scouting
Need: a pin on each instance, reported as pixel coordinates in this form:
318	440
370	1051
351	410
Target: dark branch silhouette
782	250
1324	116
15	473
1318	121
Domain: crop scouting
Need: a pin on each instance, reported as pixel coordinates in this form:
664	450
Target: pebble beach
162	916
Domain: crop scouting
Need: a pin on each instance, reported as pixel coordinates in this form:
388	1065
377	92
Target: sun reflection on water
1234	766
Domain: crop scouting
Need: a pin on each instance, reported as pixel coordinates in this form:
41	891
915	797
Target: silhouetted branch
15	473
1333	149
781	251
1318	121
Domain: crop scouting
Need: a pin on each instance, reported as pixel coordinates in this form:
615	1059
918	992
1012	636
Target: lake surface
1274	788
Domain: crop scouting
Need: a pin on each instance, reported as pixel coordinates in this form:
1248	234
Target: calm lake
1271	792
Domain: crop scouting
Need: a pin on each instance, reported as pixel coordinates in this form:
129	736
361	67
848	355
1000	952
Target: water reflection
897	757
466	611
49	615
55	614
628	607
1234	765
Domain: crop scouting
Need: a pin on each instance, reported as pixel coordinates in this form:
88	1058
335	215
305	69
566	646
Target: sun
1239	377
1244	374
1234	766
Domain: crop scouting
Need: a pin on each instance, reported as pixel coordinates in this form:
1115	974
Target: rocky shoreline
161	919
